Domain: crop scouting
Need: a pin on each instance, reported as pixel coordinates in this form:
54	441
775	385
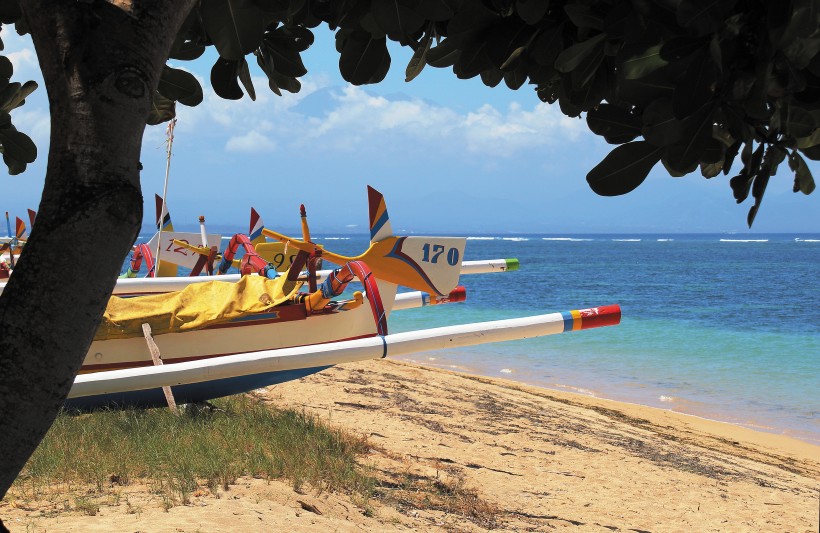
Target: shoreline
613	393
460	452
801	448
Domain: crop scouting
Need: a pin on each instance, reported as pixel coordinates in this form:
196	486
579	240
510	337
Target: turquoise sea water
720	326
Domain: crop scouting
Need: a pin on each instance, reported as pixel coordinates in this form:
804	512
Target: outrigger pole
157	285
334	353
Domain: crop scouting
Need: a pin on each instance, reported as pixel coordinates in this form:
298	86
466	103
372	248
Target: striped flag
379	220
163	216
256	226
20	229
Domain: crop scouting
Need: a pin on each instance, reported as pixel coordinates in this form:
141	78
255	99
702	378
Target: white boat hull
285	327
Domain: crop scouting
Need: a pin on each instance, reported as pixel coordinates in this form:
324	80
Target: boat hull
189	393
274	365
288	326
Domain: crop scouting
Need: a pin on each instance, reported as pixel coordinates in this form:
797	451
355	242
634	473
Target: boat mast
169	143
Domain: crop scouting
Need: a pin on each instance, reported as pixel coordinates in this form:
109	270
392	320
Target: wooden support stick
157	358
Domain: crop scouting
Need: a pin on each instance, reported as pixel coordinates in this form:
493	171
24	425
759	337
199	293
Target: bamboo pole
169	146
156	357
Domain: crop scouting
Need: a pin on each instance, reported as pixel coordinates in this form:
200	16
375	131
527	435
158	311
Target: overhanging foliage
687	83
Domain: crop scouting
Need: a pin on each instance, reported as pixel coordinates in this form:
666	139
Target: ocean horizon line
220	228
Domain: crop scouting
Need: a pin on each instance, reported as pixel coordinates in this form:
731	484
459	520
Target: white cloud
243	112
350	119
347	119
24	61
36	123
489	131
253	141
20	51
361	119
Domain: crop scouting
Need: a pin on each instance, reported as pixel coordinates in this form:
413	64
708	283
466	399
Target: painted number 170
433	251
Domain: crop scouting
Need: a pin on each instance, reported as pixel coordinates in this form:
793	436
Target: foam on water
576	390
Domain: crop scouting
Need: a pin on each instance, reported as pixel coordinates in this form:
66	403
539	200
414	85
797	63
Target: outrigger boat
168	250
162	258
178	250
219	338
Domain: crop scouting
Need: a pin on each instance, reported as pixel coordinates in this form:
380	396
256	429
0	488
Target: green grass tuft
203	447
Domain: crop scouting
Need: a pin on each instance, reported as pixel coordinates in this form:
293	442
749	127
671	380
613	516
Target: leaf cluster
687	83
276	32
17	148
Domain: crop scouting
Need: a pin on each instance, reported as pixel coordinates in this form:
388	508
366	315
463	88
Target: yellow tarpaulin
196	306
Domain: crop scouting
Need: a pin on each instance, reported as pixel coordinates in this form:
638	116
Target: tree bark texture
101	62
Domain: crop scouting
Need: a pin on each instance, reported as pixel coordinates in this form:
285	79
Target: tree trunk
101	63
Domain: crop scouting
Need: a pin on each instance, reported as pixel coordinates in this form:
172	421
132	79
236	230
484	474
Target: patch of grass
446	493
208	447
132	509
87	506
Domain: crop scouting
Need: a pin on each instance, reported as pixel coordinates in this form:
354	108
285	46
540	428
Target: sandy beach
465	453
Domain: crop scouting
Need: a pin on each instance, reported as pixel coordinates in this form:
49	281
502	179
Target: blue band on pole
568	320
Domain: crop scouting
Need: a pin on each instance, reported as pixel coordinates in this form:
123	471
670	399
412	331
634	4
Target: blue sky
451	156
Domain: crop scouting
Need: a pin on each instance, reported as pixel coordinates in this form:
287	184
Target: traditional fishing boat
213	319
168	250
219	338
162	257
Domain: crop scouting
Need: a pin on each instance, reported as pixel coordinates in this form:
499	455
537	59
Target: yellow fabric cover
197	306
